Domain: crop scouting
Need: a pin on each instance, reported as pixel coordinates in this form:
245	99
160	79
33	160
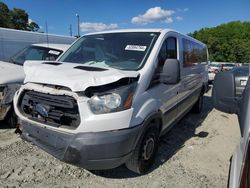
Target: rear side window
193	53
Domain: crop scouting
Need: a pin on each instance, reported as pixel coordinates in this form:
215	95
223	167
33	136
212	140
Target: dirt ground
195	153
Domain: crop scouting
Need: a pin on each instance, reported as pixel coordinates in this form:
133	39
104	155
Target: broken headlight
113	101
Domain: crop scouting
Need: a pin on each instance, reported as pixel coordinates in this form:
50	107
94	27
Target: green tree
16	19
227	42
33	26
4	15
19	19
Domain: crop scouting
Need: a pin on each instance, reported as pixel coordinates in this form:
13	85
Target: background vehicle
114	94
213	69
227	66
12	75
241	75
225	99
13	41
44	51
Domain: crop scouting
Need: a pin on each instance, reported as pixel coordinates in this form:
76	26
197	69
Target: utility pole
70	30
78	25
47	33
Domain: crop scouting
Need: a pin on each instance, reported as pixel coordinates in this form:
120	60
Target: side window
162	56
193	53
171	48
167	51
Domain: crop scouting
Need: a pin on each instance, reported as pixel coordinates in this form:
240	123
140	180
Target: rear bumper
94	151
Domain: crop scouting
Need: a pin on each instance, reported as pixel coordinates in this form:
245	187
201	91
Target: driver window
168	50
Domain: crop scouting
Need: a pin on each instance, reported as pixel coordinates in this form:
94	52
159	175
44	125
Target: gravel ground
195	153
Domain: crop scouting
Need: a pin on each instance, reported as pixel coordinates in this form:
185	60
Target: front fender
144	110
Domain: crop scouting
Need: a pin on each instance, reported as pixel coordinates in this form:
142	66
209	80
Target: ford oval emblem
42	110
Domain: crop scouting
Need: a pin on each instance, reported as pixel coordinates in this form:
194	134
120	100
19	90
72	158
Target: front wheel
197	108
144	154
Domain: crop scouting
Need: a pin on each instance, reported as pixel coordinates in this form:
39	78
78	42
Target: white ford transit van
111	96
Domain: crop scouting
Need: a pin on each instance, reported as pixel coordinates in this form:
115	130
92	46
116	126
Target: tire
144	154
197	108
12	118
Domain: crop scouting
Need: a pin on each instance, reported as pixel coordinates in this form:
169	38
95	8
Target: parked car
111	96
241	75
44	51
227	66
213	69
225	99
12	75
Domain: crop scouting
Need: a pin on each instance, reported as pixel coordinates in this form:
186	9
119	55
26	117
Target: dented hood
77	77
11	73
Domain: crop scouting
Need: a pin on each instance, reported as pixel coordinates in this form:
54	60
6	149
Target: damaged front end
68	124
83	120
50	109
7	93
60	107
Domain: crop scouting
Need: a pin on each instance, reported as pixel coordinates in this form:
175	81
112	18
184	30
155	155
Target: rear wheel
144	154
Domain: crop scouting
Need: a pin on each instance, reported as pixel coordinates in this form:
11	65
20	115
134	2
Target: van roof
62	47
131	30
163	31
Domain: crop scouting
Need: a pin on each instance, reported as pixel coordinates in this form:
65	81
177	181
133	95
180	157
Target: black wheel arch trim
157	115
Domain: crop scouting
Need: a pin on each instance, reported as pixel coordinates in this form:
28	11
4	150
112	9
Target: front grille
54	110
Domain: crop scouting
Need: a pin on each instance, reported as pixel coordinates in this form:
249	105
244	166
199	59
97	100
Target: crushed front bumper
4	109
93	151
7	92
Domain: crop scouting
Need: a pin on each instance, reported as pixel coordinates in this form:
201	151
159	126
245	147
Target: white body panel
240	155
77	79
10	73
12	41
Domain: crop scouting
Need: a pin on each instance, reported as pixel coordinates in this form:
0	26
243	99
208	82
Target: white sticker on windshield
136	48
54	52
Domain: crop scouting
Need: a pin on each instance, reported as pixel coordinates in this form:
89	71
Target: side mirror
223	94
170	72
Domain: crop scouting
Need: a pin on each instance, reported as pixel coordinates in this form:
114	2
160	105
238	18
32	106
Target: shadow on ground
170	143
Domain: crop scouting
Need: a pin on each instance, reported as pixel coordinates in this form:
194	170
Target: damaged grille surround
53	110
1	93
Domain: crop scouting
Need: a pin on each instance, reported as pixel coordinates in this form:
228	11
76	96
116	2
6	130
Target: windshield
228	65
35	53
214	65
127	51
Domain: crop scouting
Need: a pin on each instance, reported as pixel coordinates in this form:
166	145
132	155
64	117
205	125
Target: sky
182	15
